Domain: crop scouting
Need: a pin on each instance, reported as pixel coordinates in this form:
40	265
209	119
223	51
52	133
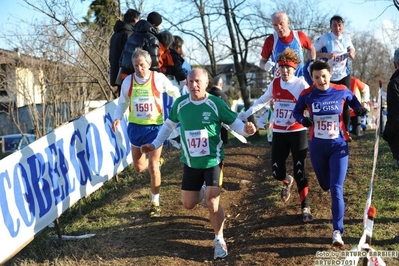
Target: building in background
38	94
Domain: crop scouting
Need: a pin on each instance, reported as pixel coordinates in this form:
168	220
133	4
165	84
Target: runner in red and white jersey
288	135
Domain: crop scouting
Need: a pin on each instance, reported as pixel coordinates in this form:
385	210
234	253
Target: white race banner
40	182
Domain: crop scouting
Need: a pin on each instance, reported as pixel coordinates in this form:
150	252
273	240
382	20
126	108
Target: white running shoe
337	239
306	215
220	250
285	191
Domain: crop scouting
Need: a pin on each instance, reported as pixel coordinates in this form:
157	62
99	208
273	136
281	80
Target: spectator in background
166	39
122	31
282	38
217	90
142	93
362	92
178	47
391	132
336	48
170	62
145	36
178	55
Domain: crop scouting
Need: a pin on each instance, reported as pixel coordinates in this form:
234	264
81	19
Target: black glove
307	121
361	111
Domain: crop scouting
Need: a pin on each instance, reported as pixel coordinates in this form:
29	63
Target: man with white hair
282	38
391	131
200	116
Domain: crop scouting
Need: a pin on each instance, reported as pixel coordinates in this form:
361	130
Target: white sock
155	198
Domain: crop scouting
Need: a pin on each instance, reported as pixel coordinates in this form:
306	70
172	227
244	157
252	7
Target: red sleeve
305	42
267	47
361	85
353	85
338	87
357	84
308	90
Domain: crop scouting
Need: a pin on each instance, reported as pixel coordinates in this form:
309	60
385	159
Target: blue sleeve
299	108
352	100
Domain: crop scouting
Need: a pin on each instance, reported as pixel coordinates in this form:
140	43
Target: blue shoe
220	250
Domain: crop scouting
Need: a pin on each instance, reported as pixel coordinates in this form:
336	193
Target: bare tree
236	29
73	55
229	30
240	42
84	47
373	60
216	31
69	60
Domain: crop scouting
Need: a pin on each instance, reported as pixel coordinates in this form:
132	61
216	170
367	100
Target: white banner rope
376	146
364	248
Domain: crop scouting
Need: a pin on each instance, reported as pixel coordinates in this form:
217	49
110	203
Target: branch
52	15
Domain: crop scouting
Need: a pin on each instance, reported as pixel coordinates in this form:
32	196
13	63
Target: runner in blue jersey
201	115
327	144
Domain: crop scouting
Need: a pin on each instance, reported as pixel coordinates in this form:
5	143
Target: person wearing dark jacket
178	47
391	131
122	31
177	69
216	89
145	36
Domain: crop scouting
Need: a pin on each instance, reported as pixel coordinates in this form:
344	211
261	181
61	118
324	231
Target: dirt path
259	228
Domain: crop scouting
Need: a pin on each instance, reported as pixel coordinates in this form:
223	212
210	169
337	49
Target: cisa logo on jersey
316	107
205	117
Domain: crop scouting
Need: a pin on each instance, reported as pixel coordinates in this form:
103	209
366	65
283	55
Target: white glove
269	66
241	116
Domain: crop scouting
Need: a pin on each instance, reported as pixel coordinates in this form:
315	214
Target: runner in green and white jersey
200	116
